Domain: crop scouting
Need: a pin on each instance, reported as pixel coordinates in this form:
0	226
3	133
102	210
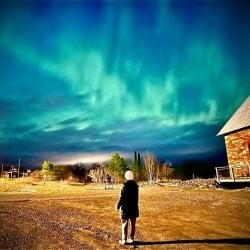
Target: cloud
84	71
145	136
127	78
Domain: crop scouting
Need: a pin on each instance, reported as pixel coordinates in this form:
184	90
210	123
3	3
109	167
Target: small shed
236	133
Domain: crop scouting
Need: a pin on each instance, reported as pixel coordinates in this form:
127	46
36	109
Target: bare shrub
36	175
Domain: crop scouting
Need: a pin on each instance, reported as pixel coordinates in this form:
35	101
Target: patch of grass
45	188
15	185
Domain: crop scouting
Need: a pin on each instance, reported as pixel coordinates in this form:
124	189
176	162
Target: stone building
237	140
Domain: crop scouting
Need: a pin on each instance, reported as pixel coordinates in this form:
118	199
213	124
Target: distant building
11	171
237	140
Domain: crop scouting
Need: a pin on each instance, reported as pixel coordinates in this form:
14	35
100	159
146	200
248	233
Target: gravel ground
171	218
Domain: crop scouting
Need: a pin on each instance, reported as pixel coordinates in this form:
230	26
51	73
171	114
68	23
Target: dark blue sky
80	80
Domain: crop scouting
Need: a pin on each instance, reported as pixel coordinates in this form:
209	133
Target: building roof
239	120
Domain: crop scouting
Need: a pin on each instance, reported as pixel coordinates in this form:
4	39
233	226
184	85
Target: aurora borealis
80	80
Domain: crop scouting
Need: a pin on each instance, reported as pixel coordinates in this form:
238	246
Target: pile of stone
195	183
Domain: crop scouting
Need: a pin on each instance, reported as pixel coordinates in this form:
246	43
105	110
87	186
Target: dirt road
171	218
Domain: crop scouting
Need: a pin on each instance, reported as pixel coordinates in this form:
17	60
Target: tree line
147	168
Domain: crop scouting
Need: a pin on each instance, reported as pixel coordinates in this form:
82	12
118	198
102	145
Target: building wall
238	148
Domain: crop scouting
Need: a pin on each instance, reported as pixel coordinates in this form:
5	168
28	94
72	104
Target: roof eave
231	132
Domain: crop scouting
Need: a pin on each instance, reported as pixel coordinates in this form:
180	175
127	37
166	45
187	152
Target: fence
233	173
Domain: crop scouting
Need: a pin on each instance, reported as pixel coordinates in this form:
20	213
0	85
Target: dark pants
125	223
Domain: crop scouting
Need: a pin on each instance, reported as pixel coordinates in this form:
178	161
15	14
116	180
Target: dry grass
15	185
27	185
65	215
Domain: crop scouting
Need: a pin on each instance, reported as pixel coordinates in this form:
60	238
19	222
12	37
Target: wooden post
217	175
233	174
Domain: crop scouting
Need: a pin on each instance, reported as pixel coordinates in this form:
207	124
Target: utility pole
18	174
2	171
11	172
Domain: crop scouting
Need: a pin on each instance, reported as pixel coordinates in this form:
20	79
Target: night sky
81	80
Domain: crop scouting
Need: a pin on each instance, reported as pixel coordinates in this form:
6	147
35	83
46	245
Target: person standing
127	205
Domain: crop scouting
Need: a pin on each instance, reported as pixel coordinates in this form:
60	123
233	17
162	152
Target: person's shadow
234	241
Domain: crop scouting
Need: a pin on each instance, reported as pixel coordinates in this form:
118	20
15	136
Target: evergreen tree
117	166
48	171
137	167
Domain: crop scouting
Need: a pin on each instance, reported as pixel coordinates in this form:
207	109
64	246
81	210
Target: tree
47	171
62	172
36	175
117	166
152	167
137	167
197	168
76	172
166	171
79	172
98	173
